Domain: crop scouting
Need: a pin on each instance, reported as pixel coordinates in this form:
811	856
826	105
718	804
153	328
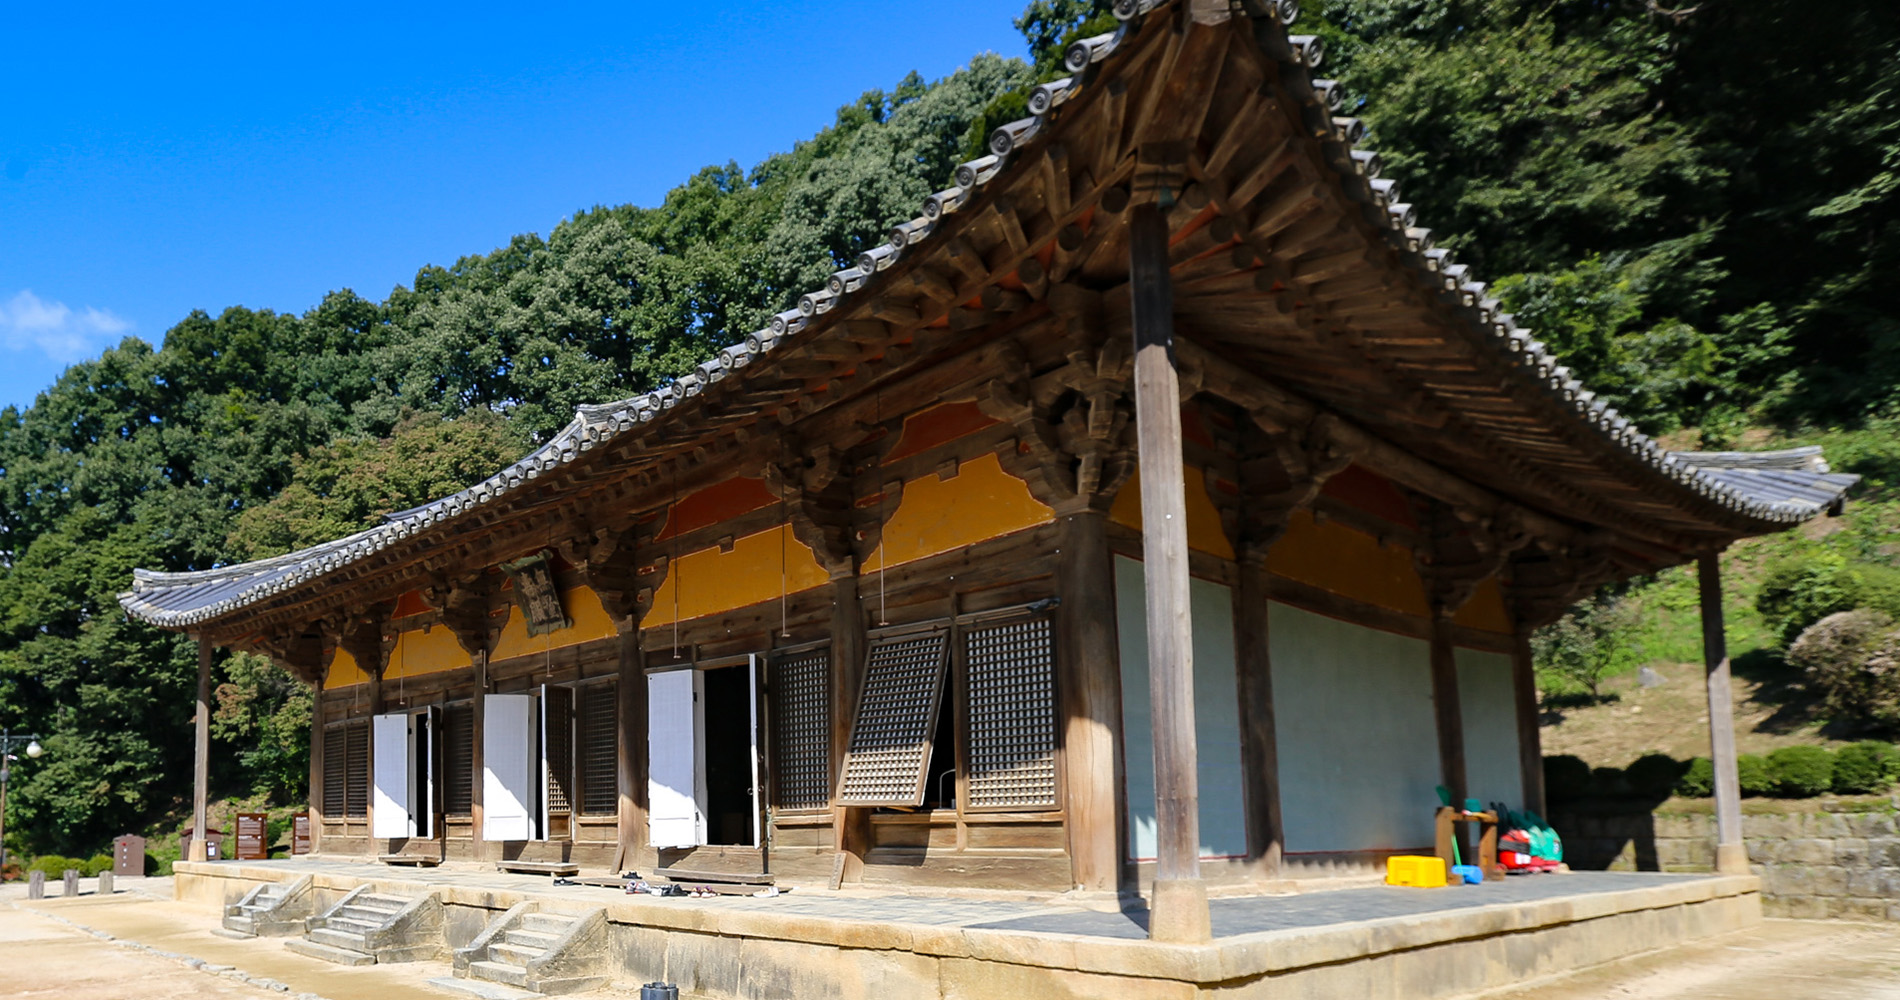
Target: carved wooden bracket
366	636
297	648
1074	425
1544	579
1279	474
606	557
463	603
1459	549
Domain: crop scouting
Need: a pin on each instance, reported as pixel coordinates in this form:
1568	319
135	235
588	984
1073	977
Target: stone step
377	901
577	984
514	954
317	949
499	972
538	940
547	923
338	939
240	925
354	924
482	988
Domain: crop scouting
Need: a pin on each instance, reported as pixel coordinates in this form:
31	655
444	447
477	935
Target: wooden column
851	828
1731	854
1090	685
1530	745
1259	747
630	756
477	717
1178	911
201	766
1448	710
315	800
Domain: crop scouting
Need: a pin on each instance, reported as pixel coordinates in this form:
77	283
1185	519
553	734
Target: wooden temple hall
1158	509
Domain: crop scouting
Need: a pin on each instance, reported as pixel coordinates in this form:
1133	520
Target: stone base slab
760	954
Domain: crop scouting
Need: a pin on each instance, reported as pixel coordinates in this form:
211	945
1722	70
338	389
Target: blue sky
160	158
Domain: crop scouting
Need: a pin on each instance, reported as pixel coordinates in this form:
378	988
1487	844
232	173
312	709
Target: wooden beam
1179	910
201	766
1090	660
1731	854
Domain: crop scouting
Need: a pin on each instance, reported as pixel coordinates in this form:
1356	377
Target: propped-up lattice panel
1012	759
801	729
897	713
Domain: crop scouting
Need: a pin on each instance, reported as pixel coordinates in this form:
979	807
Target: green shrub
96	864
1796	593
53	865
1566	778
1654	774
1698	782
1753	774
1865	768
1802	772
1848	660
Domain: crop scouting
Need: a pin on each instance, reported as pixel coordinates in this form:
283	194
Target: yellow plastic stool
1416	871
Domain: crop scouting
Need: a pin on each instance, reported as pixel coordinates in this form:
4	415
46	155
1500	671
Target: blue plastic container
1471	874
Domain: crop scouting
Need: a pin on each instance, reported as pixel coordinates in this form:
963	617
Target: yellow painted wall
343	672
710	581
1203	520
979	503
583	609
419	652
1349	563
1485	611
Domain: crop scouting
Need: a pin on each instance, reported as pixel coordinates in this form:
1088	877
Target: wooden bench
557	869
417	860
702	875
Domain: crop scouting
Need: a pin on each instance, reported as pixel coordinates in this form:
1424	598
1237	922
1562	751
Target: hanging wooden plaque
536	594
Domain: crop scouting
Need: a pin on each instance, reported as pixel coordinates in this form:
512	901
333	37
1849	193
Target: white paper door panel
389	816
508	766
673	815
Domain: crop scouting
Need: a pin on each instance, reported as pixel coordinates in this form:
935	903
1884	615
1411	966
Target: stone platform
1360	943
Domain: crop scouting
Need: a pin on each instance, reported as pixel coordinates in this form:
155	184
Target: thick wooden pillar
477	717
314	802
851	828
1530	743
1731	854
201	765
1090	685
1448	710
630	757
1178	911
1259	747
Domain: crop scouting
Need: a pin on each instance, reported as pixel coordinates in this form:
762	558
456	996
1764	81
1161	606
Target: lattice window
356	770
335	771
599	743
458	765
801	730
897	712
1012	714
559	717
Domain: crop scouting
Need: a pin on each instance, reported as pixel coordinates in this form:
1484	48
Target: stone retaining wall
1834	857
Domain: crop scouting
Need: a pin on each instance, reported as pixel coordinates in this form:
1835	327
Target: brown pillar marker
1179	909
630	755
1091	687
201	768
1259	746
1731	854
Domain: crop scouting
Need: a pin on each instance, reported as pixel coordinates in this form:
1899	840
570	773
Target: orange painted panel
1485	611
716	503
938	425
410	603
343	672
583	609
1360	487
980	502
710	582
1203	520
425	651
1349	563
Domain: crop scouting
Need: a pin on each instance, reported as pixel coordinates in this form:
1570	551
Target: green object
1474	805
1444	796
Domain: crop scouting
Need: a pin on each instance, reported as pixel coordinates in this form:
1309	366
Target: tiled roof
1767	487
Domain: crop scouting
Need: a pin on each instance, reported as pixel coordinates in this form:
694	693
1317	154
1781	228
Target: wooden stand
1487	838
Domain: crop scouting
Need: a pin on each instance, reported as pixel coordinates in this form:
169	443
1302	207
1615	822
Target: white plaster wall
1357	738
1488	704
1216	715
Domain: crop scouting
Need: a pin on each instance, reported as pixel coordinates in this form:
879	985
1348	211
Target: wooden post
1090	685
851	828
375	698
1731	853
477	718
1530	745
1179	909
1259	747
315	802
1448	710
630	756
201	767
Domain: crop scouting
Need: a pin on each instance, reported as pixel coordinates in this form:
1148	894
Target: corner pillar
1090	687
201	765
851	827
1530	742
1731	853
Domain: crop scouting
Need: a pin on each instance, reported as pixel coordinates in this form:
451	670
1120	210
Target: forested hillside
1698	207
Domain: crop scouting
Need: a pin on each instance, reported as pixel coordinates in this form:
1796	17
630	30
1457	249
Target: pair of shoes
637	886
629	875
767	893
704	892
565	881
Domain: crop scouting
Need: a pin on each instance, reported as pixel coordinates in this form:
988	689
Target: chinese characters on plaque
535	593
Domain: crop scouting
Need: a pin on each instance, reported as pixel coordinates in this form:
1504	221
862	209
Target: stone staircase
367	927
273	909
539	950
